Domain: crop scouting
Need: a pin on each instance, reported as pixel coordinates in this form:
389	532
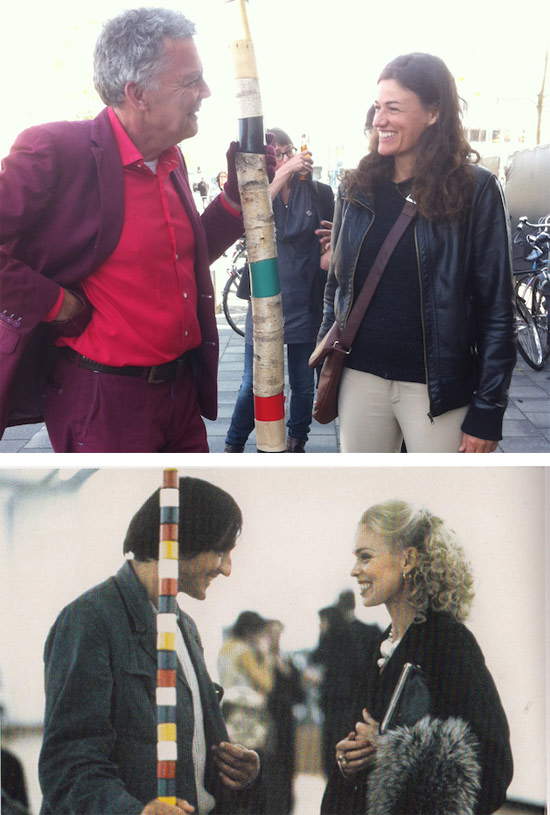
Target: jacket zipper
356	259
430	417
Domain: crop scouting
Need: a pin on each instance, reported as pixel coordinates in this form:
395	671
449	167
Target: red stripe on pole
168	532
166	769
169	585
269	408
166	679
170	478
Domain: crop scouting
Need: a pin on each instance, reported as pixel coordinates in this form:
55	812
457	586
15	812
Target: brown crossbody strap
373	278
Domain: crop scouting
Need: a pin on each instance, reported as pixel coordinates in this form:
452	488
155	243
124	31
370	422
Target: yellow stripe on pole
166	732
168	550
166	641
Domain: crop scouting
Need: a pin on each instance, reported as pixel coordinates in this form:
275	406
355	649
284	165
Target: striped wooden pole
167	748
267	313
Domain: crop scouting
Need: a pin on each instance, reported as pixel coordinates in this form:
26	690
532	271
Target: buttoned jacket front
100	738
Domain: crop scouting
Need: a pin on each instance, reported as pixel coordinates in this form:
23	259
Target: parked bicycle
532	291
234	306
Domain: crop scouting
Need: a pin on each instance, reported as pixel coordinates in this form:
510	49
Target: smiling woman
432	357
408	559
292	558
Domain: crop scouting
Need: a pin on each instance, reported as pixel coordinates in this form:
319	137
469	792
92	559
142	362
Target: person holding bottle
299	206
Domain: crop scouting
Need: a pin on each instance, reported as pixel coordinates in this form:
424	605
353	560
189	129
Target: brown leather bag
336	344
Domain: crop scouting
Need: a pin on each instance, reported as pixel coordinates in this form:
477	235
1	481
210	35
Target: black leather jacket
466	291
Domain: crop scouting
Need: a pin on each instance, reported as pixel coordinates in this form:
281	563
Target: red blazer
61	214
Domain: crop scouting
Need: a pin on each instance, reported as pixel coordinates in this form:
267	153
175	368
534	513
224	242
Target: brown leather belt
154	374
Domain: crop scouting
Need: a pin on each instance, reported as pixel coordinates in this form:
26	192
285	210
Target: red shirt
144	296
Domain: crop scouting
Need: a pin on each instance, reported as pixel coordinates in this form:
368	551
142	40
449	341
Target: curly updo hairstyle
443	182
442	578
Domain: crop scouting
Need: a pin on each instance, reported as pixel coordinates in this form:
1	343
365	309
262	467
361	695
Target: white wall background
293	557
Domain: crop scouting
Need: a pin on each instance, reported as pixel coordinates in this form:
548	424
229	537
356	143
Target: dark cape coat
461	687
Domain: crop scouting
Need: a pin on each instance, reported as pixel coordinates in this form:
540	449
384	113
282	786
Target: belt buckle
152	375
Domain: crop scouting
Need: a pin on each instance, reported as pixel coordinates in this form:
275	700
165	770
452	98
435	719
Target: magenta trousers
89	412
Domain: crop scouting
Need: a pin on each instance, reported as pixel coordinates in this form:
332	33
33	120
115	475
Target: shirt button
177	257
186	333
185	294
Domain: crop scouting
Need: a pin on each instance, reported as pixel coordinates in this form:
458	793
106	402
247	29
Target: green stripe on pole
264	278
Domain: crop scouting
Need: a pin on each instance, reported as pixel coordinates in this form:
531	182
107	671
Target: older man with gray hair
107	324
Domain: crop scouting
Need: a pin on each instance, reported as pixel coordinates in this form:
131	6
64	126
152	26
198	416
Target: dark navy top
389	342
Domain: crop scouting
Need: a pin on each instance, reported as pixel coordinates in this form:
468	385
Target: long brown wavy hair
443	182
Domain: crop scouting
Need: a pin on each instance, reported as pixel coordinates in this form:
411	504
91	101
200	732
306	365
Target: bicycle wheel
539	310
233	307
529	344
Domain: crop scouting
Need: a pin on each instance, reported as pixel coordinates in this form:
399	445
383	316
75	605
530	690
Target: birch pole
267	313
167	747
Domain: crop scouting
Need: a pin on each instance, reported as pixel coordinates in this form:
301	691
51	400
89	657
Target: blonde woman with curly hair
455	759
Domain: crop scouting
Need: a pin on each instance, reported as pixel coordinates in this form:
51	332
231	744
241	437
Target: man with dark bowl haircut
107	319
99	755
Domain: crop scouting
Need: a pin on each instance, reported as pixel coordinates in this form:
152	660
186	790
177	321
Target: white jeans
377	414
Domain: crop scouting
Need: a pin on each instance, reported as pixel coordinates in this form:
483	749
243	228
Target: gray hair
129	49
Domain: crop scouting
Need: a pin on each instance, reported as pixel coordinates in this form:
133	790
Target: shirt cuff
56	308
237	212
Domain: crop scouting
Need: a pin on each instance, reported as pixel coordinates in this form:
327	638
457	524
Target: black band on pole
251	135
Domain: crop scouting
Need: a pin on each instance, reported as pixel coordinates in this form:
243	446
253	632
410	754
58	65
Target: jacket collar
361	198
102	131
136	600
110	186
142	619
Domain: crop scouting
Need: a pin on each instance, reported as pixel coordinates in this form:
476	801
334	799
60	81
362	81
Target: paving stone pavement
526	422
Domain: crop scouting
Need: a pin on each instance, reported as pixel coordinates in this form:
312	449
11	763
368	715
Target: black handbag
243	286
410	700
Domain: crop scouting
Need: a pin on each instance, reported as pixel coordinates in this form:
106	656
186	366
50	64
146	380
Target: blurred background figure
221	178
15	799
201	187
364	636
14	788
344	652
286	692
246	674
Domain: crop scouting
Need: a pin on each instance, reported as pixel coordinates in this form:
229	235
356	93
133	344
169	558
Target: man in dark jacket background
345	649
99	751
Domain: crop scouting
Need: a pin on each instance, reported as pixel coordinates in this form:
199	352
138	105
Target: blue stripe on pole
166	787
168	604
167	660
166	714
169	515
